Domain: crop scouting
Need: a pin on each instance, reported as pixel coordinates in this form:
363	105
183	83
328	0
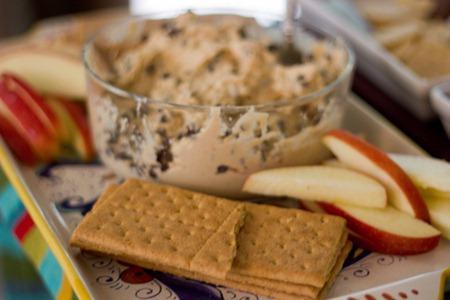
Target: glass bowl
208	148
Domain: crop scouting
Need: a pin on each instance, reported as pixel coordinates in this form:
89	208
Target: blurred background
19	15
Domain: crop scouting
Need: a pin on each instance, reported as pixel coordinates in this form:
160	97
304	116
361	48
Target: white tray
57	195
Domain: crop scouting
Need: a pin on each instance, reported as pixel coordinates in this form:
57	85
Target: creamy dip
226	69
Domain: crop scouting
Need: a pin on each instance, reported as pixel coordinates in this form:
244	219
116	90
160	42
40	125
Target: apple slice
440	214
318	183
22	118
76	128
34	101
432	193
67	126
386	230
332	162
49	71
425	172
18	145
363	157
311	206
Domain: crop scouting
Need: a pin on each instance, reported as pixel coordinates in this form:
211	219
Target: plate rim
16	179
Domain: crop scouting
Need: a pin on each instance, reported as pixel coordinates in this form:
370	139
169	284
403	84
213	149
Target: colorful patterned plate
58	195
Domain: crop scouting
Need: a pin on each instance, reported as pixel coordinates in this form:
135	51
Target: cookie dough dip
201	101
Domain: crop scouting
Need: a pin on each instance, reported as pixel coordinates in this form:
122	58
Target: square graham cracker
288	245
164	225
287	287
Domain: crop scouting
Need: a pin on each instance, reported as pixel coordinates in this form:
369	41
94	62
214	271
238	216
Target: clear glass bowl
211	149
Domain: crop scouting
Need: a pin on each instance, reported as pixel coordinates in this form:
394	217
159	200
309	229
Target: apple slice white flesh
424	191
318	183
311	206
432	193
332	162
361	156
47	70
75	124
425	172
387	230
440	214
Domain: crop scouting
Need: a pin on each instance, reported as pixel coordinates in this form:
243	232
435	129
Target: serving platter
58	195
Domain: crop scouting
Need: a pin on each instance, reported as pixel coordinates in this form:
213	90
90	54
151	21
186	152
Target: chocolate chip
163	119
113	138
266	148
165	75
242	32
300	78
226	133
123	155
324	73
272	47
164	157
144	37
171	29
174	32
166	25
150	69
309	57
222	169
152	172
191	130
144	109
281	125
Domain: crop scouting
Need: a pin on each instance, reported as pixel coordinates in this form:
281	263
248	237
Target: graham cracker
287	287
106	193
288	245
260	290
292	254
164	225
205	261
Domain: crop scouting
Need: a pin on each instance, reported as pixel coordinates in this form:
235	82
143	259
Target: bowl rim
345	73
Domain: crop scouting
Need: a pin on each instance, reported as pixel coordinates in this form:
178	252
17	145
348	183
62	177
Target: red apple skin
394	249
83	142
383	161
380	241
26	122
34	101
18	145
